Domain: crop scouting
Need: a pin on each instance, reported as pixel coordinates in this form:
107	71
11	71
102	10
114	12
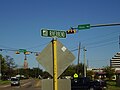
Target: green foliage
4	82
7	66
112	85
72	69
3	63
89	74
109	72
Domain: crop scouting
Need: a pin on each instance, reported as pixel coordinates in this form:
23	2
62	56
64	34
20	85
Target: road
29	84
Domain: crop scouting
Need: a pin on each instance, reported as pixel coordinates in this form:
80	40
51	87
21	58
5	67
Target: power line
101	41
105	44
100	36
37	46
3	46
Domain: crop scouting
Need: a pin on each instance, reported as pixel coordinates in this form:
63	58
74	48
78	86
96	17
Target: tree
72	69
10	65
3	66
46	75
3	63
10	62
90	74
109	72
79	69
69	71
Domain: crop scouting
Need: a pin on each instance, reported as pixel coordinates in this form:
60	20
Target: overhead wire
101	42
100	36
37	46
102	45
3	46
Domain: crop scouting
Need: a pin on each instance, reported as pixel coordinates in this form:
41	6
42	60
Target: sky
21	22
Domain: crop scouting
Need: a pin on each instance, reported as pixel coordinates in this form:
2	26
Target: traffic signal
17	52
27	53
36	54
71	31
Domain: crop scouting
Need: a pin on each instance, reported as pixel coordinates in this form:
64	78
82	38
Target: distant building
115	61
25	64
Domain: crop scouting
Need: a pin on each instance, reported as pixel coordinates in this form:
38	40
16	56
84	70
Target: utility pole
79	45
84	61
0	68
79	52
87	63
119	42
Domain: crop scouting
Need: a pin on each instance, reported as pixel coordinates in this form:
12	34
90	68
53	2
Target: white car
15	81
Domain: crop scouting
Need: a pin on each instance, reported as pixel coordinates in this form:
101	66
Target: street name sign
22	50
83	26
53	33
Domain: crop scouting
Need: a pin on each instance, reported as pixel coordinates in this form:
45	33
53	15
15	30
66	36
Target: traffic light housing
27	53
17	52
71	31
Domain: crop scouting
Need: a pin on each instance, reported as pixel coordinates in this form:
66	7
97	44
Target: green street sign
53	33
22	50
84	26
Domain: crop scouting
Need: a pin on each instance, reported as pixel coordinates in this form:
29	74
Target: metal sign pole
54	46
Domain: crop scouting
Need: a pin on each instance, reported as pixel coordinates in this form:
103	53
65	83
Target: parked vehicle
15	81
99	85
83	83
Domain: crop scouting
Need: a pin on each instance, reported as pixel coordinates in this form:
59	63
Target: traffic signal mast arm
21	51
103	25
88	26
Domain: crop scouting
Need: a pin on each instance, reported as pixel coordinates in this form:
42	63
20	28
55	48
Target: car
15	81
82	83
99	85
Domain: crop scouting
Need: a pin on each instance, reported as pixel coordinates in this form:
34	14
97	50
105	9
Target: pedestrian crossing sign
75	75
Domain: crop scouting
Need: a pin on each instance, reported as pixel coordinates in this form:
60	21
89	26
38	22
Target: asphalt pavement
29	84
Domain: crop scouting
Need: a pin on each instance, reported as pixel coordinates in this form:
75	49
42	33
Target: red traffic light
71	31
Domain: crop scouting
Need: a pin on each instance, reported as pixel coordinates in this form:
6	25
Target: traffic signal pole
88	26
54	46
104	25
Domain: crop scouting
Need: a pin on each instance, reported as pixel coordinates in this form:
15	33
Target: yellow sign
75	75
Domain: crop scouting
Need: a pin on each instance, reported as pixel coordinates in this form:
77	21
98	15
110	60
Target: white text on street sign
84	26
53	33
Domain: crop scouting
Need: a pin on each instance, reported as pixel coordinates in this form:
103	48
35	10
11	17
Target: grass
4	82
112	85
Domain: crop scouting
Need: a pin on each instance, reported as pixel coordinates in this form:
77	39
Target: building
115	61
25	63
